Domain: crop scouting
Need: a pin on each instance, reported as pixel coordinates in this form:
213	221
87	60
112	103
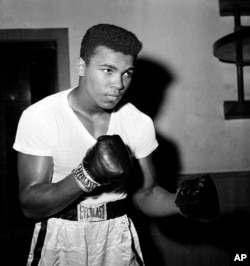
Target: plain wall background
179	36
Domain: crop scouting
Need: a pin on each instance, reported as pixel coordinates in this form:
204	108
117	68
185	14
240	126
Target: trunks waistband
95	212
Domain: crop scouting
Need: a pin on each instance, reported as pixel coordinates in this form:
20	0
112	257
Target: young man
74	161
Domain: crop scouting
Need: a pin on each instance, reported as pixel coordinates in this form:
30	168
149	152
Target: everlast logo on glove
107	162
83	177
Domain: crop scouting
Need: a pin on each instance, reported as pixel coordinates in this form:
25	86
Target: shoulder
137	129
47	103
45	109
133	113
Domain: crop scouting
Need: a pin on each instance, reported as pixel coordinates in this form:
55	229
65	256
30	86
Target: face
106	78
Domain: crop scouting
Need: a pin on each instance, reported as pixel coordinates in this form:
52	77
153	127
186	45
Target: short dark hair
113	37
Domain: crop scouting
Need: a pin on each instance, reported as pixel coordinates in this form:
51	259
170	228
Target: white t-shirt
51	128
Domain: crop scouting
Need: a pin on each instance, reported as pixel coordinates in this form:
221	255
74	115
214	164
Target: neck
78	103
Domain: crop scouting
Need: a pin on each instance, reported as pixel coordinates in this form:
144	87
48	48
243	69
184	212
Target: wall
179	36
184	87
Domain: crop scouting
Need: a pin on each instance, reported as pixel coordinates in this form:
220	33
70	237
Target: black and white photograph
124	132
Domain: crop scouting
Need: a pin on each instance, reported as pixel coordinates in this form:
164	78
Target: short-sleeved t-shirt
51	128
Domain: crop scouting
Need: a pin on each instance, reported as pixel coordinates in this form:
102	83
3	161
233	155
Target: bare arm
39	197
150	198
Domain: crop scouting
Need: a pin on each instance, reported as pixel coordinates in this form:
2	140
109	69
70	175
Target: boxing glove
106	162
198	198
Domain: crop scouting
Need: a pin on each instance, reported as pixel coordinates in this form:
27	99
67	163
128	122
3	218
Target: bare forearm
43	200
156	202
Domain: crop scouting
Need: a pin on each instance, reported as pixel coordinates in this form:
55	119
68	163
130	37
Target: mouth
113	97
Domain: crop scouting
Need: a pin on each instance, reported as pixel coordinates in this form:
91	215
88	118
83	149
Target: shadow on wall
148	89
181	241
176	240
228	231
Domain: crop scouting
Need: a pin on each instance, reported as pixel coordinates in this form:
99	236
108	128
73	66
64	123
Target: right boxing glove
106	162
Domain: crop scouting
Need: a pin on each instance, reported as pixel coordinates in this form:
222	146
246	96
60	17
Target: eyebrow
115	68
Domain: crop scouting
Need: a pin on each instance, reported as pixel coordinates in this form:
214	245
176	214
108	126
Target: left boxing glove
106	162
198	198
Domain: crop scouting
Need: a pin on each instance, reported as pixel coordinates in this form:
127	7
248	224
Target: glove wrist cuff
83	179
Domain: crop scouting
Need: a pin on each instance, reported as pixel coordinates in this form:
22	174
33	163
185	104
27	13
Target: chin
109	105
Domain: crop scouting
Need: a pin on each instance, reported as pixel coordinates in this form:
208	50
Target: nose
118	82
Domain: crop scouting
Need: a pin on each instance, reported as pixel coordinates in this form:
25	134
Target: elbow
28	210
31	214
28	214
141	204
140	199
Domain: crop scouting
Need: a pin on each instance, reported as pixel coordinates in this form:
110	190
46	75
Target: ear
80	66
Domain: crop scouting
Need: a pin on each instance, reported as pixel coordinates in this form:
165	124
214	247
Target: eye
107	70
128	74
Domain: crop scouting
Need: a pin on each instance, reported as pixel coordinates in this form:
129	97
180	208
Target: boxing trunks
99	234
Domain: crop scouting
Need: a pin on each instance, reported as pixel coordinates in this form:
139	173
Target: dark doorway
28	73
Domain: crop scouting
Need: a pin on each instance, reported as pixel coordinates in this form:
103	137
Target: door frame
58	35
